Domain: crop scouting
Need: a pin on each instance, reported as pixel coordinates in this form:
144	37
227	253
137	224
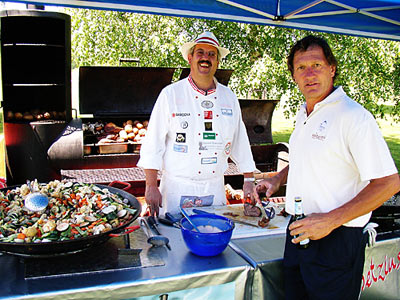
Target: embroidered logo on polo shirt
226	111
180	137
207	104
320	133
208	115
208	135
181	148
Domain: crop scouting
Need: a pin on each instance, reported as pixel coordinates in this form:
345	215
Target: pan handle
118	184
127	230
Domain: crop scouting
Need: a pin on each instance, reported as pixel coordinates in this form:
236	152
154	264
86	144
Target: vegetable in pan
75	210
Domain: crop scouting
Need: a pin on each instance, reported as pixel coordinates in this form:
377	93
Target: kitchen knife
199	211
168	222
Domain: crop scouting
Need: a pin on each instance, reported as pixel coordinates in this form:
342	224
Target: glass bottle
298	210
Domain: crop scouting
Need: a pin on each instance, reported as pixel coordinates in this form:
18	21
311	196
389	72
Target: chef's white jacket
190	136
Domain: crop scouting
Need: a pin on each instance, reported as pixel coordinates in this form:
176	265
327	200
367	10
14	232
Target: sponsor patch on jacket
181	148
207	104
208	126
208	115
180	114
320	133
208	160
211	145
208	135
180	137
226	111
227	148
184	124
191	201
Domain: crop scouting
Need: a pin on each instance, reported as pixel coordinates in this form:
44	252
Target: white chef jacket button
199	133
199	153
197	97
199	172
217	116
213	171
216	134
199	115
215	97
216	153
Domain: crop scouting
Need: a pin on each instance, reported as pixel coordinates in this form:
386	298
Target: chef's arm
271	185
152	193
248	186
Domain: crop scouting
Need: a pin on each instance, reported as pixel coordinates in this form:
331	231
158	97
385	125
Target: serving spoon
35	201
184	213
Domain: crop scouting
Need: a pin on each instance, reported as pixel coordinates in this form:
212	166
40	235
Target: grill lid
121	91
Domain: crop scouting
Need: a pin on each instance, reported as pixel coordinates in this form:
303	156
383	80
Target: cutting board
276	226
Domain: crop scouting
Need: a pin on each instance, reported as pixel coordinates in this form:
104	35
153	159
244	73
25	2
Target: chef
195	126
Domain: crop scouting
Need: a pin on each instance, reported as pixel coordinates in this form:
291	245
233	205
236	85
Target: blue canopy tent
367	18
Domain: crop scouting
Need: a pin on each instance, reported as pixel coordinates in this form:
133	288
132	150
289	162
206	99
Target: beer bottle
298	215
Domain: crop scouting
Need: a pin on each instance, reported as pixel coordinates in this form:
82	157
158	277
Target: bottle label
298	210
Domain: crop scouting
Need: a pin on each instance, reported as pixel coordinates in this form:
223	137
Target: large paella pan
77	217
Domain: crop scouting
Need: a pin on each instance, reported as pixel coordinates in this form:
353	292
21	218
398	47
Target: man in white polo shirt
341	167
195	126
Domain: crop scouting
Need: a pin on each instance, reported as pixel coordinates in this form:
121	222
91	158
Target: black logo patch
180	137
208	126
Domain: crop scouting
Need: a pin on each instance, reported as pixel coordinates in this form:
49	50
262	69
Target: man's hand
153	199
314	227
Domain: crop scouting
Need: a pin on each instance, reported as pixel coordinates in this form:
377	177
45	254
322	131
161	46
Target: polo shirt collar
335	96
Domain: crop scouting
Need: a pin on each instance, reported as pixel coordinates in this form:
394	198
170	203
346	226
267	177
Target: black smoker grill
36	88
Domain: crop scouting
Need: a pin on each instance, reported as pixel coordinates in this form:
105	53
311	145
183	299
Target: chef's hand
248	188
314	227
153	199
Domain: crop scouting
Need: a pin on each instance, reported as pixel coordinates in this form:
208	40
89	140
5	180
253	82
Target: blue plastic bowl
204	243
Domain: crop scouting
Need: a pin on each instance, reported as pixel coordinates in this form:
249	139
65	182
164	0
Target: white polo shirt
334	152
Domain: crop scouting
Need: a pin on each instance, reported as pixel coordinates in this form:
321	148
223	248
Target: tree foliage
369	68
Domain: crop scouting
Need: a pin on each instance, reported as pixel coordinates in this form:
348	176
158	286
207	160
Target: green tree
369	68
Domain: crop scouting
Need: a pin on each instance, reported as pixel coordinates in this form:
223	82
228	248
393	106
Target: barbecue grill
36	89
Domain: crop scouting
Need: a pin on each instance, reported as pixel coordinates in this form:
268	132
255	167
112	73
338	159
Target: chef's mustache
205	61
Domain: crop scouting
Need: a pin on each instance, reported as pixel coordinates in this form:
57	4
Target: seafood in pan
75	210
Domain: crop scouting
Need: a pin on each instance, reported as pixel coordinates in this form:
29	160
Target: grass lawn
282	128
